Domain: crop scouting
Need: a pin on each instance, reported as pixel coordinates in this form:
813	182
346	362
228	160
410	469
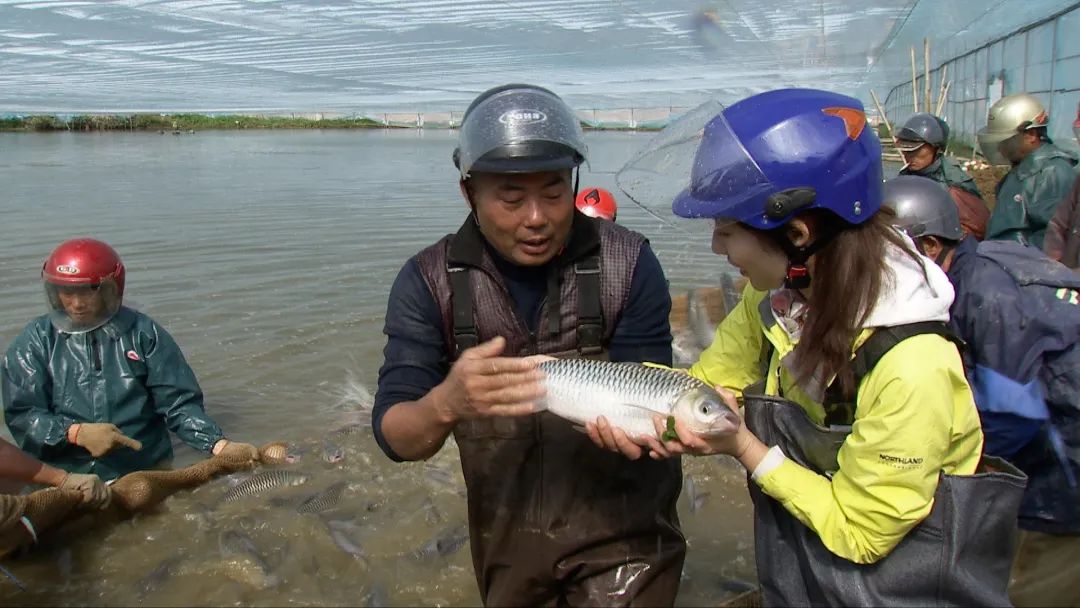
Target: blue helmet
769	156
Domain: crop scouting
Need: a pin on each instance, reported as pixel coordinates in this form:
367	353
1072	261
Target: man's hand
95	492
100	438
482	384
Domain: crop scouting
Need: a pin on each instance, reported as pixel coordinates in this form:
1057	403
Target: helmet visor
991	144
83	307
905	145
511	120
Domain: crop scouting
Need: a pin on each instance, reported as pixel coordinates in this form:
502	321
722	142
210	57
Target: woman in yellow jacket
861	434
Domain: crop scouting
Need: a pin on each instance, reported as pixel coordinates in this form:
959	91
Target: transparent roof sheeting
349	56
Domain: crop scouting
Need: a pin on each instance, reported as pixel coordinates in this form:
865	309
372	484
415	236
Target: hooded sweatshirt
914	408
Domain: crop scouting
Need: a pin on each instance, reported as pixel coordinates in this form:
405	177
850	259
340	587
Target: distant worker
597	202
922	140
1063	234
94	386
1041	174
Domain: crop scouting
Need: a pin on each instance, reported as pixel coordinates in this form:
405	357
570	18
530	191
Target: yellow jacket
915	418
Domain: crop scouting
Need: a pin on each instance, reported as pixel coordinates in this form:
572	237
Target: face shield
995	145
520	130
655	176
76	308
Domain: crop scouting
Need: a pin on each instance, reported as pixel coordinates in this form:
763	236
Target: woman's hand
743	445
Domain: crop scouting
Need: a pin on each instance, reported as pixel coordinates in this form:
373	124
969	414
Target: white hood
908	297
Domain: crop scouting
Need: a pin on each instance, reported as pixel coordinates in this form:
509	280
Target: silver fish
323	501
698	321
630	394
376	597
447	542
262	482
351	429
694	499
150	583
345	535
332	452
255	570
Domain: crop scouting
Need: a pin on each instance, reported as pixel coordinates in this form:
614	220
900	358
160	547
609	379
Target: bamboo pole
914	83
941	88
888	125
926	84
941	100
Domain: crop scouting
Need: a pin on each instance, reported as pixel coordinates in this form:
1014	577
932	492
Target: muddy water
269	257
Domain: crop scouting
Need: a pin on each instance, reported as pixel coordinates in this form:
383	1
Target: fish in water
630	394
351	429
445	543
376	597
695	499
262	482
253	568
697	318
65	563
150	583
332	452
345	535
323	501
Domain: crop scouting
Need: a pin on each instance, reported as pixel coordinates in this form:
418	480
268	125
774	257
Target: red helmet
597	202
88	264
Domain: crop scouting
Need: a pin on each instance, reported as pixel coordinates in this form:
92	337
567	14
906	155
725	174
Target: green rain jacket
128	372
944	170
1029	194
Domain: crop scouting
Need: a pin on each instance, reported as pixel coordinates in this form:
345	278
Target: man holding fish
553	519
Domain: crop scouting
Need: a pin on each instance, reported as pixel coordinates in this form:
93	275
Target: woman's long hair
850	274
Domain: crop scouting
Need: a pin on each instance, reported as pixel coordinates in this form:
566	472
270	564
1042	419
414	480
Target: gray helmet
923	207
922	128
519	128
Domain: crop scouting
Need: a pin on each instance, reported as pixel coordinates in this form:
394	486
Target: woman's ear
798	232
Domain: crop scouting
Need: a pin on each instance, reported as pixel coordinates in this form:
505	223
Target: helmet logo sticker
854	120
134	356
67	269
522	117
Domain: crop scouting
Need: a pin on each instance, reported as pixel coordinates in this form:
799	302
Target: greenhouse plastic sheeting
391	55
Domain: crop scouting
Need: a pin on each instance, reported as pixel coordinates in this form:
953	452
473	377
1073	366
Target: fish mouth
725	424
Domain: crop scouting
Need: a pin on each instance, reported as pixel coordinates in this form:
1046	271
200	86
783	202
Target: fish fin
670	434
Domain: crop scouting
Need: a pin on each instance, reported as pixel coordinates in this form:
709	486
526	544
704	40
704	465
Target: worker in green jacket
94	386
1041	174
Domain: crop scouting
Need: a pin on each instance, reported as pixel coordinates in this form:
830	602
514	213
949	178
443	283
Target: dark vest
960	555
546	506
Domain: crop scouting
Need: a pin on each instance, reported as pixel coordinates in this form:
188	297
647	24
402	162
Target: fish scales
628	395
323	501
262	482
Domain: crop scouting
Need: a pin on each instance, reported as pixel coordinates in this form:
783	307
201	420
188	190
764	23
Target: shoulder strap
465	332
590	329
840	408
